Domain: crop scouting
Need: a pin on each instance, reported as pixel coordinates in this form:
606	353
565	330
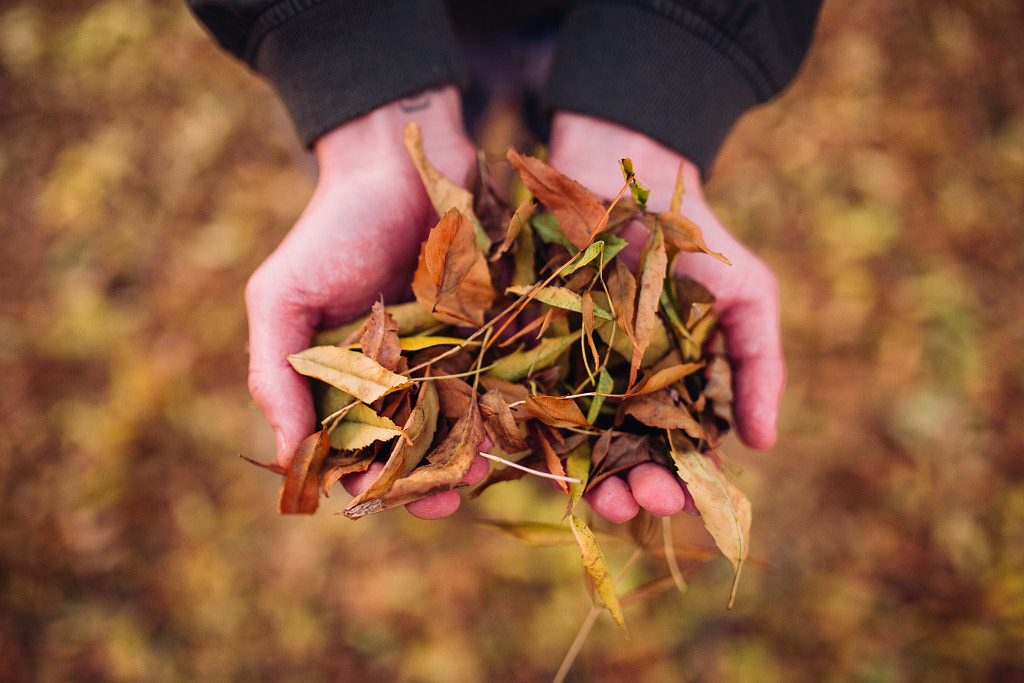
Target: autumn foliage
531	337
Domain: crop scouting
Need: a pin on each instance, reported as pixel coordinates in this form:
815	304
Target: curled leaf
300	493
452	280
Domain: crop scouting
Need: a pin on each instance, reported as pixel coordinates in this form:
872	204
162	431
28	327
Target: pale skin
359	238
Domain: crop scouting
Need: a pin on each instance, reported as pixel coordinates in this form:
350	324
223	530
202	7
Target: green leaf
547	228
559	297
640	193
605	384
519	364
577	465
604	248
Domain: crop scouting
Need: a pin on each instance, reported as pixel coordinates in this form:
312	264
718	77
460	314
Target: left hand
588	150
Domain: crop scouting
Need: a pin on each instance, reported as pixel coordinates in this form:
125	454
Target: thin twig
546	475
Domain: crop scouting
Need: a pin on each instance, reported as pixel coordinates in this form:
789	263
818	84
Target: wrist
377	137
593	147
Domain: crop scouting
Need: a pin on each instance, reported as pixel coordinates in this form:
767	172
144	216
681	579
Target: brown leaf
657	409
578	211
667	376
338	465
272	466
449	462
552	461
453	281
501	425
624	452
520	221
379	340
300	493
454	395
511	392
684	235
653	267
556	412
622	295
406	453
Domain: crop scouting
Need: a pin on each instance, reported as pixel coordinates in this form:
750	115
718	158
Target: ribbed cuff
672	81
334	60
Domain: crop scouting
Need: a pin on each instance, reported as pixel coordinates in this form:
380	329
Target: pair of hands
359	237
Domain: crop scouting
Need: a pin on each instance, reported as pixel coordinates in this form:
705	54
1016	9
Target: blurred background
144	175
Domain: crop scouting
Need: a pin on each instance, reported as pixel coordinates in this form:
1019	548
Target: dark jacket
680	71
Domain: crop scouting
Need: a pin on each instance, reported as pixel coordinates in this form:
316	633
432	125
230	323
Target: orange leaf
683	234
453	281
653	267
552	461
301	491
578	211
556	412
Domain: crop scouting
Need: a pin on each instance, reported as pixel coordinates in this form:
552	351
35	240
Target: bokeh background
144	175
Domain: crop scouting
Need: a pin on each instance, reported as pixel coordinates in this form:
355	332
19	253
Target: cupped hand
588	150
357	240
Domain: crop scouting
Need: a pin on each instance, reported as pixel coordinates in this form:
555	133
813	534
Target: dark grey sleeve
334	60
681	72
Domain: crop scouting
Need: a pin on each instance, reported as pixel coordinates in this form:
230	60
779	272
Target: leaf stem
546	475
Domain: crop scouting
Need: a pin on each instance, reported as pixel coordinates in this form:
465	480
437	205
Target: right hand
358	239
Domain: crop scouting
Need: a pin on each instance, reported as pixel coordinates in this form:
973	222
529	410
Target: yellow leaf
350	371
597	568
360	427
723	507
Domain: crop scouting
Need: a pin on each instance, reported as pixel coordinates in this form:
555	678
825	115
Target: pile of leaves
531	337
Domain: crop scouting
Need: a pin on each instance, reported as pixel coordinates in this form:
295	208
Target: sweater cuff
335	60
672	80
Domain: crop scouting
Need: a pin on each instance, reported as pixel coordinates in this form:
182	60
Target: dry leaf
653	267
300	493
578	211
350	371
406	453
501	425
597	568
444	194
723	507
453	281
379	340
360	427
684	235
555	411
